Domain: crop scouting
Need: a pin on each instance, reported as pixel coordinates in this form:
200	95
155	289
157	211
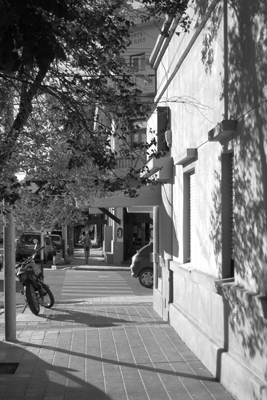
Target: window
232	216
228	223
138	62
140	134
163	117
192	213
189	215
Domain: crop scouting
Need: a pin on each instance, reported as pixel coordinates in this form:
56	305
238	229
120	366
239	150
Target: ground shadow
38	379
84	318
133	365
96	319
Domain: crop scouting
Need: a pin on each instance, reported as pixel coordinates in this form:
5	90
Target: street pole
64	239
9	243
9	276
42	251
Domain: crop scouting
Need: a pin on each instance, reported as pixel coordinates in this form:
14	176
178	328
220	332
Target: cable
253	108
202	144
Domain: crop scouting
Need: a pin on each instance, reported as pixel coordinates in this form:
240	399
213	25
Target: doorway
137	232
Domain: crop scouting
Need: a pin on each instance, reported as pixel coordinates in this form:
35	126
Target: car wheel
146	277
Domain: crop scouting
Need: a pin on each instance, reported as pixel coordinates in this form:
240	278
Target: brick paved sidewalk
106	348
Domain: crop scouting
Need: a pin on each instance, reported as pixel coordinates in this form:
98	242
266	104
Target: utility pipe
187	50
226	76
155	244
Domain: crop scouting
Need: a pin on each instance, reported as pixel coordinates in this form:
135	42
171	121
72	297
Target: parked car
56	241
141	266
1	237
25	246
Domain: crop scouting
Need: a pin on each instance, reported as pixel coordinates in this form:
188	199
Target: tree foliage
60	61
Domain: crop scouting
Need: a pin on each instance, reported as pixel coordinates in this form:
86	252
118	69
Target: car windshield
55	238
29	239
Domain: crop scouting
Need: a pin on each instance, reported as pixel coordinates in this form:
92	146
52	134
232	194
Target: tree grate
8	368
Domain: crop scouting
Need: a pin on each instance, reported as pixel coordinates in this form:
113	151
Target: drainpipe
226	76
156	243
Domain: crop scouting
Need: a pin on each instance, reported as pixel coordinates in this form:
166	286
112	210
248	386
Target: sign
138	37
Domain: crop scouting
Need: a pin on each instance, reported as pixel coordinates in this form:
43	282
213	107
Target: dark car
26	243
56	241
142	267
1	237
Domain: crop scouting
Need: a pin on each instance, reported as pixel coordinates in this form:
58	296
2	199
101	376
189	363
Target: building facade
129	228
210	230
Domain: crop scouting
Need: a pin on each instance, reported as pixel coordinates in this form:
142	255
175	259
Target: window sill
237	295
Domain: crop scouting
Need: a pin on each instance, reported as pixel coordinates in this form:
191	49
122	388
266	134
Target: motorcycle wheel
32	298
46	300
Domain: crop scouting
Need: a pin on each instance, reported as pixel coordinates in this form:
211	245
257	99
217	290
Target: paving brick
104	349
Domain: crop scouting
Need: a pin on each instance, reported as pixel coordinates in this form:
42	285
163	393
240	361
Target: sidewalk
102	348
96	261
115	348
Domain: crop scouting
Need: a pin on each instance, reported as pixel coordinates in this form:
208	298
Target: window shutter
232	183
163	119
192	213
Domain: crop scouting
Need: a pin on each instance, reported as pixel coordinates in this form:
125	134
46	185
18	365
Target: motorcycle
35	291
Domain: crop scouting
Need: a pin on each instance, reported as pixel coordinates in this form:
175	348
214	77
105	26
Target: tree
72	52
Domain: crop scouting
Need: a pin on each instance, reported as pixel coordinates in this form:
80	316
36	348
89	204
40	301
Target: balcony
126	163
160	168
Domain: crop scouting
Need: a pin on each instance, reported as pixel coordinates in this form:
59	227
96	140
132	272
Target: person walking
87	244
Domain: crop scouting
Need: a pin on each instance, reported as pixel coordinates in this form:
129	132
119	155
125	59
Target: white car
141	266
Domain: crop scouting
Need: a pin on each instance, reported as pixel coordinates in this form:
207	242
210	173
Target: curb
73	267
90	267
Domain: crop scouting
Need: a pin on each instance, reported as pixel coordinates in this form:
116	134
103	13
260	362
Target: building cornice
169	25
162	43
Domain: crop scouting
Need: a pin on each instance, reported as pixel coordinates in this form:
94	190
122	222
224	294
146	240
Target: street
71	284
68	285
75	284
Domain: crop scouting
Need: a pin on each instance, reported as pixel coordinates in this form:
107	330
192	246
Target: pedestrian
87	244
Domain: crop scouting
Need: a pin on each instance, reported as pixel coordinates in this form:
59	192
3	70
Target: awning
94	210
140	209
147	196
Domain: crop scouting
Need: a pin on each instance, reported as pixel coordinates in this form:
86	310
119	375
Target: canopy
147	196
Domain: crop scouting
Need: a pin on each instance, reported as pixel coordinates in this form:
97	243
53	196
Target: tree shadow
99	319
38	379
244	318
84	318
133	365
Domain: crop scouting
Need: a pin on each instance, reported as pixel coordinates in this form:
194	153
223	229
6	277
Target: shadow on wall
247	46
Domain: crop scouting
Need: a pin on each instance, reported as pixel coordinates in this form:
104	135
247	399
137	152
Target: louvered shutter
232	182
163	116
192	213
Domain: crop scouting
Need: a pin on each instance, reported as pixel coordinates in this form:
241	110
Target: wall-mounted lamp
168	137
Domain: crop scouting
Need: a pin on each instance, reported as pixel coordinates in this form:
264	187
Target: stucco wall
223	323
223	328
194	94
